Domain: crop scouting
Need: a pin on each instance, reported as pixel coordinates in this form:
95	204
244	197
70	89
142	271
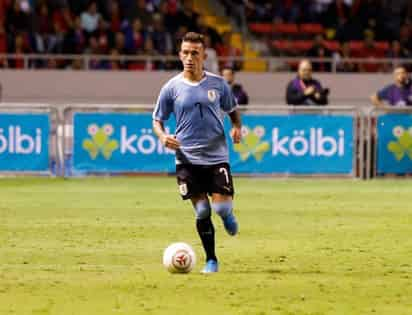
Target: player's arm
161	113
236	131
228	105
168	141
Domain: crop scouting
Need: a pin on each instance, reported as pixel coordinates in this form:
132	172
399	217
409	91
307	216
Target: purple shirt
396	96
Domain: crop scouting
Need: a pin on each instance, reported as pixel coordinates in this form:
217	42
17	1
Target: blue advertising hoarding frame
54	159
373	140
358	166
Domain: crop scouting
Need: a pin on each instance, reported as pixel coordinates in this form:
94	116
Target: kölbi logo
403	145
17	142
101	142
312	142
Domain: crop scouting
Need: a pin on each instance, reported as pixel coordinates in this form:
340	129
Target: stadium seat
282	45
383	46
285	29
302	45
356	45
262	28
332	45
311	29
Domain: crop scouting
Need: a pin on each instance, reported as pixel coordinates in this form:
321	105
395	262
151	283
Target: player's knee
223	208
202	208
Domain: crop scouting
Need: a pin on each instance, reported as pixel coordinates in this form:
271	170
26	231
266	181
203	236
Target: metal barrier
28	139
172	62
302	141
389	138
278	140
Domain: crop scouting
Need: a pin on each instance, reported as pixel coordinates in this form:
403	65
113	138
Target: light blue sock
202	209
223	208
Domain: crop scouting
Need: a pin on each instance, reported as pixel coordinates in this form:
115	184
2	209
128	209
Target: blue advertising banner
394	147
119	142
24	142
296	144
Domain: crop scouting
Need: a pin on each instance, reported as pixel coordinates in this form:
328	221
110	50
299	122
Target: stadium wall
143	87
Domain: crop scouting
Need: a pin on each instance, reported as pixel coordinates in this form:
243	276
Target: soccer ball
179	258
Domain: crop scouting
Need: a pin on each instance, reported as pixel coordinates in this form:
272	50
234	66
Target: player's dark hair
193	37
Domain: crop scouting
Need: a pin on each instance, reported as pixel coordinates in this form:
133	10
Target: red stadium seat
281	44
262	28
356	45
302	45
286	28
311	29
332	45
383	46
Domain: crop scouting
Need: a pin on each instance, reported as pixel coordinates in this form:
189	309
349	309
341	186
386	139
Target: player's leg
189	178
222	197
206	231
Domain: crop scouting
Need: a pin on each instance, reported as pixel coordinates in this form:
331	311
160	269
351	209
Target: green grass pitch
306	247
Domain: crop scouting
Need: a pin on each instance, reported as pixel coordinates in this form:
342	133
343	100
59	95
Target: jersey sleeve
383	94
164	104
228	102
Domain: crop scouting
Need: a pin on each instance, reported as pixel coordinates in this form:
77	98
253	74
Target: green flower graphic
100	141
251	144
403	145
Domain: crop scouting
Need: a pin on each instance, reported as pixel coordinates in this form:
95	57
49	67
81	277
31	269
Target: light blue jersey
199	110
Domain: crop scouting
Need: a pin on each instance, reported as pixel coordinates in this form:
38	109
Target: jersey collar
194	83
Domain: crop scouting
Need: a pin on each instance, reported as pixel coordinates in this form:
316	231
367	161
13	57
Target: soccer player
199	99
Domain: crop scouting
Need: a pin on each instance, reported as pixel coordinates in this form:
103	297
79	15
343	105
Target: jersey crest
211	95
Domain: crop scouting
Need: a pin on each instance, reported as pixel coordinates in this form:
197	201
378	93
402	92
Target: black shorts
194	180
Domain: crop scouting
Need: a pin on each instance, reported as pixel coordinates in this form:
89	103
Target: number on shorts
224	171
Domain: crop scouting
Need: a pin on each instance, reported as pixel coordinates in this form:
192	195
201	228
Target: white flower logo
259	131
92	129
398	131
245	131
108	129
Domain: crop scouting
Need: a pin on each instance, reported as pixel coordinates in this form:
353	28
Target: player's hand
236	134
170	141
309	90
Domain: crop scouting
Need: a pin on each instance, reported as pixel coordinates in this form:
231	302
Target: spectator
20	47
344	52
43	24
239	93
369	51
398	94
211	63
139	10
115	17
90	18
187	16
75	40
162	40
17	19
227	51
3	46
64	18
304	90
134	36
319	51
202	28
169	18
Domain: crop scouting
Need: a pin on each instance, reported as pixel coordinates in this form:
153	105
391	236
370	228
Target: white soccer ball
179	258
